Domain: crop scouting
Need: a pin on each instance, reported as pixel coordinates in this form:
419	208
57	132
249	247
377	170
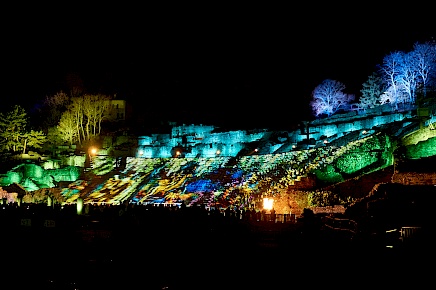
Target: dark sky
248	69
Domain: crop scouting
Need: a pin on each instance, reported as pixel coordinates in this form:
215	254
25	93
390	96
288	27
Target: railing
340	224
409	232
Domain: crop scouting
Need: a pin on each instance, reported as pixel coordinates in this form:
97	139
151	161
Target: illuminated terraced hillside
292	170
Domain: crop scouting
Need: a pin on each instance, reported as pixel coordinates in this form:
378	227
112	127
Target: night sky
247	70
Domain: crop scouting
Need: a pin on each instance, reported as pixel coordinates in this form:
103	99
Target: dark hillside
361	186
421	165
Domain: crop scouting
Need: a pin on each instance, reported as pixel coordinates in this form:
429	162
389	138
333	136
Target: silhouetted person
309	226
273	215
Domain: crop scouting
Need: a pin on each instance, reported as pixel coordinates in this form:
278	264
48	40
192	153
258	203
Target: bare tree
404	73
425	57
393	96
84	116
60	99
52	109
94	108
390	71
408	76
76	108
328	98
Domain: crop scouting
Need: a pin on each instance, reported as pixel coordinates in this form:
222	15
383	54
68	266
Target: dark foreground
199	251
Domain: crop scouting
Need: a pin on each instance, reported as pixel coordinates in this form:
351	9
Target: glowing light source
268	203
92	151
79	206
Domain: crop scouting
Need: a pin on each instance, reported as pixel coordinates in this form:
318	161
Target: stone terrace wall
413	178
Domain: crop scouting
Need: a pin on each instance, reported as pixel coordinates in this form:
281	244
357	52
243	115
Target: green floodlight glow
424	148
356	161
12	177
79	206
241	184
